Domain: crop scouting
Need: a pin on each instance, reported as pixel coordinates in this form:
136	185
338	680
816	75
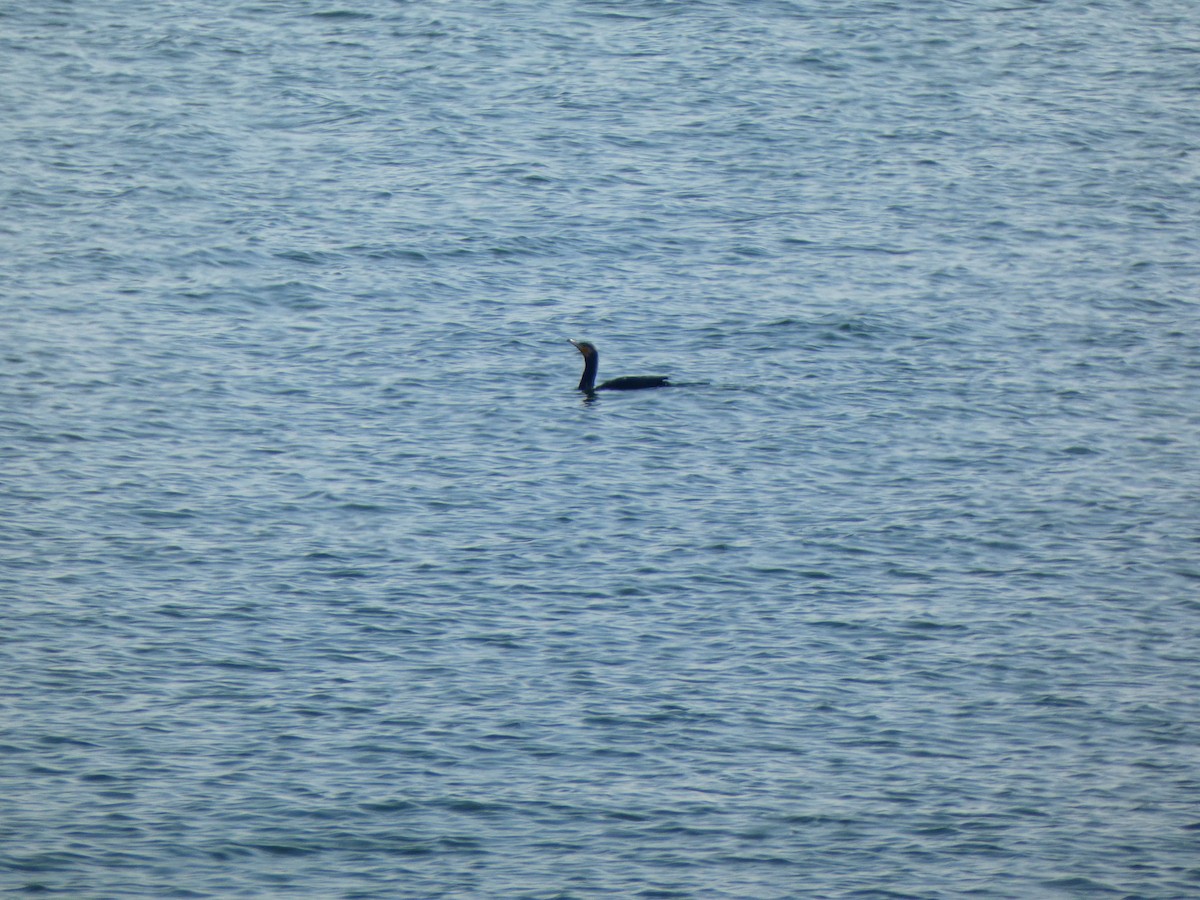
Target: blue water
320	579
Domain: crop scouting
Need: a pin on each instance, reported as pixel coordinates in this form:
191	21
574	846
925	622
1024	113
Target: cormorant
591	358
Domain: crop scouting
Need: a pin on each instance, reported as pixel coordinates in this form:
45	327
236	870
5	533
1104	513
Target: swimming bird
591	359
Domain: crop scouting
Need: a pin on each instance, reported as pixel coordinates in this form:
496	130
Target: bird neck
588	381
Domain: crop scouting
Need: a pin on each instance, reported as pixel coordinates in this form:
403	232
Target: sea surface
320	579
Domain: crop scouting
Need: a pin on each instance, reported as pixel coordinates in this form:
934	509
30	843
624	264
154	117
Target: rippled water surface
320	579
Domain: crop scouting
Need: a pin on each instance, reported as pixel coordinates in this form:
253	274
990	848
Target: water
321	580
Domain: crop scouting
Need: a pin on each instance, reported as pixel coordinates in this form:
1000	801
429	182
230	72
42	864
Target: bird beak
574	343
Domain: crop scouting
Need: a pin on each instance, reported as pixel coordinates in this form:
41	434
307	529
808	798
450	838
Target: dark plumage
591	359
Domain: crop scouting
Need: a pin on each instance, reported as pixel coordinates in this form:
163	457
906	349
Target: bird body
633	383
591	361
